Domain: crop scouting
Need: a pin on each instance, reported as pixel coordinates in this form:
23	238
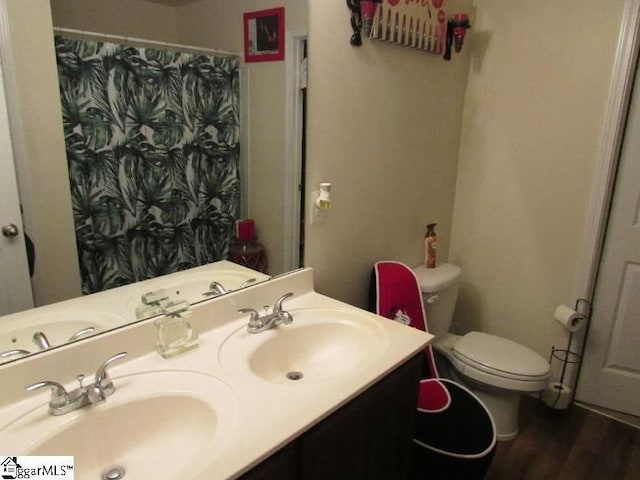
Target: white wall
137	19
384	128
385	125
533	121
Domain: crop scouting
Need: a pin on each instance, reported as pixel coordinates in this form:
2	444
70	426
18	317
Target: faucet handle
248	282
59	396
277	308
254	313
81	333
102	380
215	289
41	340
254	320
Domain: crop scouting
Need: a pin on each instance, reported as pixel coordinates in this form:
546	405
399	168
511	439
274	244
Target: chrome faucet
216	288
64	402
277	316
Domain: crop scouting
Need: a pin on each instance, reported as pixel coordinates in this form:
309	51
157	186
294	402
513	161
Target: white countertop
268	415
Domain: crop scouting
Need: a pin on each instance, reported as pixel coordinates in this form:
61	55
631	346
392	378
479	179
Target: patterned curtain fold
152	139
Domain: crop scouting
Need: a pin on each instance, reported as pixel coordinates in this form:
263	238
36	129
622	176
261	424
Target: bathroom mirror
126	16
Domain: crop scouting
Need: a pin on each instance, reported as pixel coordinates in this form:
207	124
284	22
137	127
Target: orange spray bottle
430	246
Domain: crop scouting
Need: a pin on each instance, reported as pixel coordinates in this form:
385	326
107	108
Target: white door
610	374
15	285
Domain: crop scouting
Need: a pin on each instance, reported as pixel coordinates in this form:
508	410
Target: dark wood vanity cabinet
282	465
369	438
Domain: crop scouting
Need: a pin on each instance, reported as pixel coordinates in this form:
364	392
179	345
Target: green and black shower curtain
152	139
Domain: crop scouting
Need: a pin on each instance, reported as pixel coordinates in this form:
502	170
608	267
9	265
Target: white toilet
496	369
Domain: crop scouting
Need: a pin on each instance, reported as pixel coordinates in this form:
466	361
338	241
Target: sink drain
115	472
294	375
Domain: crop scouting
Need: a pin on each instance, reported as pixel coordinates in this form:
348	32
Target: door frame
293	188
15	118
20	289
619	99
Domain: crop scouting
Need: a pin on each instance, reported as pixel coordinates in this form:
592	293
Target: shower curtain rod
141	41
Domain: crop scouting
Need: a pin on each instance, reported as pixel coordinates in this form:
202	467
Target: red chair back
398	297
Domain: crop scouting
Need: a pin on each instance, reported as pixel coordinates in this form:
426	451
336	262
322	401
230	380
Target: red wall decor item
264	35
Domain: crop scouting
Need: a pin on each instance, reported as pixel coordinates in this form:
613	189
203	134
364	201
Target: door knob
10	230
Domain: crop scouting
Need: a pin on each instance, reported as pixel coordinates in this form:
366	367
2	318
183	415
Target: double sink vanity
326	391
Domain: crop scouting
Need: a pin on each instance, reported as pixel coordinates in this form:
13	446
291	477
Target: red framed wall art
264	35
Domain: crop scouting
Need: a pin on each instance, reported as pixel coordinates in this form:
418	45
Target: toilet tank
439	293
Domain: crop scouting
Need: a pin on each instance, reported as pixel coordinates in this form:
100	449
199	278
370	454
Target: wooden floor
576	444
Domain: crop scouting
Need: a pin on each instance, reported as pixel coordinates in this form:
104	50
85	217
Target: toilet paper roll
557	396
569	318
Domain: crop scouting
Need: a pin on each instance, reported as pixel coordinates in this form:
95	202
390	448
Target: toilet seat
499	362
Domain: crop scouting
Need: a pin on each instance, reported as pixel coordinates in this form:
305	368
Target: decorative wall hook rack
418	24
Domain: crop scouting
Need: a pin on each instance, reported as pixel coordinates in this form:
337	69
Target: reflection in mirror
152	140
41	160
39	329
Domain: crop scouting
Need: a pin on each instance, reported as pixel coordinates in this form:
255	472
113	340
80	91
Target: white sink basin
58	324
57	333
144	428
320	344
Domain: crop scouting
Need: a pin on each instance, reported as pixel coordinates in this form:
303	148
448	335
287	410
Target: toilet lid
500	356
434	280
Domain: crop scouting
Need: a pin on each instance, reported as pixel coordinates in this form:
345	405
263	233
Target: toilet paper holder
567	357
